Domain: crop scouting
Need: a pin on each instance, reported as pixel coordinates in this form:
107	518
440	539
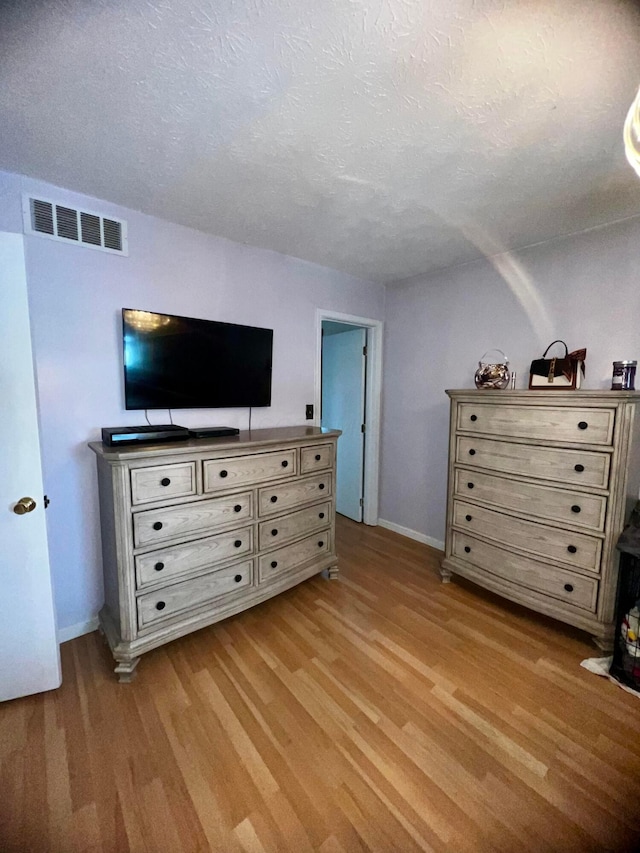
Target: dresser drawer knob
568	587
321	543
238	578
467	549
273	499
274	564
473	418
472	452
572	549
159	567
237	543
237	508
160	605
468	517
224	473
274	532
321	486
579	468
317	457
284	463
575	508
157	525
583	425
320	515
165	481
469	485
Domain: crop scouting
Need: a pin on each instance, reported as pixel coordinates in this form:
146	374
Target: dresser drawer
541	423
163	482
185	597
158	525
238	471
316	458
284	559
564	585
576	549
274	499
169	564
579	467
292	526
561	506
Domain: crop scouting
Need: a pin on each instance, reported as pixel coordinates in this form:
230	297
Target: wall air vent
80	227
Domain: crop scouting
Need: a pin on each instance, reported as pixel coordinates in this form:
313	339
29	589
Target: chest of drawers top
247	441
550	418
181	473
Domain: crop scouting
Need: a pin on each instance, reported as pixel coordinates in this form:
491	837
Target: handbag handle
566	348
506	360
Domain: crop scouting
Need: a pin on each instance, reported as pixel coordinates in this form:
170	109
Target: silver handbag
492	374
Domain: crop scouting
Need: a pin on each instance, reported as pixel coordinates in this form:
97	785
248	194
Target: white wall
76	295
584	289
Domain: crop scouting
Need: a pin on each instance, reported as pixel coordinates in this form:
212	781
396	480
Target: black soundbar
213	432
118	436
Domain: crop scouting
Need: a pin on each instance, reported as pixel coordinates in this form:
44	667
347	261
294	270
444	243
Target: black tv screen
182	363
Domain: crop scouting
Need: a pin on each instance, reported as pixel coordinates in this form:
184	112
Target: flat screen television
175	362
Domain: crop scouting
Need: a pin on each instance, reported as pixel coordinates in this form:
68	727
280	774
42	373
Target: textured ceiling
385	138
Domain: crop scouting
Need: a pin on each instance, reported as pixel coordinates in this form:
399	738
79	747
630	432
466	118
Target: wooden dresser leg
333	572
605	643
446	575
125	670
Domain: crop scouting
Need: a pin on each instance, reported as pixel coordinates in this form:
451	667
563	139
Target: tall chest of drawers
195	531
540	486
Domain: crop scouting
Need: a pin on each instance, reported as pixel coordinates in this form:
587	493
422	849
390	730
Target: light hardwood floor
383	711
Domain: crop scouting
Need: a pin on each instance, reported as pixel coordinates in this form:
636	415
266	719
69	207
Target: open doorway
348	379
343	400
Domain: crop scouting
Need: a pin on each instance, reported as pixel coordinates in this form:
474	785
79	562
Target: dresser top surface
246	438
523	395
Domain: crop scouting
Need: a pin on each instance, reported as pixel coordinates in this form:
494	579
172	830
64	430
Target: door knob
24	505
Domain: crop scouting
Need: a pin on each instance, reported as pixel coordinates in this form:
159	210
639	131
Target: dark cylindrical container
624	376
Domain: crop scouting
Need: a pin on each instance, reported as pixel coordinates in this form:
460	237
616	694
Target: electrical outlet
309	412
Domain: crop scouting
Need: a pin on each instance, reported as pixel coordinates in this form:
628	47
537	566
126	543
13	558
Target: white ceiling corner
385	138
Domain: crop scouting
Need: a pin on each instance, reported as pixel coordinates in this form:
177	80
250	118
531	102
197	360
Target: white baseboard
77	630
412	534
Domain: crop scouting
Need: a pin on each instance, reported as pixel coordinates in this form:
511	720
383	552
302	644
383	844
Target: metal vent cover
82	227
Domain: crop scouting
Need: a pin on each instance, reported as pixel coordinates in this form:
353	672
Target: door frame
373	379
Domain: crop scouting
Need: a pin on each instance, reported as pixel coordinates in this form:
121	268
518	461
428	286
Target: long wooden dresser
540	486
195	531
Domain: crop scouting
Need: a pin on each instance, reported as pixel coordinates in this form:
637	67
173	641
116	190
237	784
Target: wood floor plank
382	711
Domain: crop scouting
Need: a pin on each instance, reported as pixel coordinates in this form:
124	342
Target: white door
343	402
29	654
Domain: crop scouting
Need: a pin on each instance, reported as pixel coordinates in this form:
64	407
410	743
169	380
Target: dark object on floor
625	666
